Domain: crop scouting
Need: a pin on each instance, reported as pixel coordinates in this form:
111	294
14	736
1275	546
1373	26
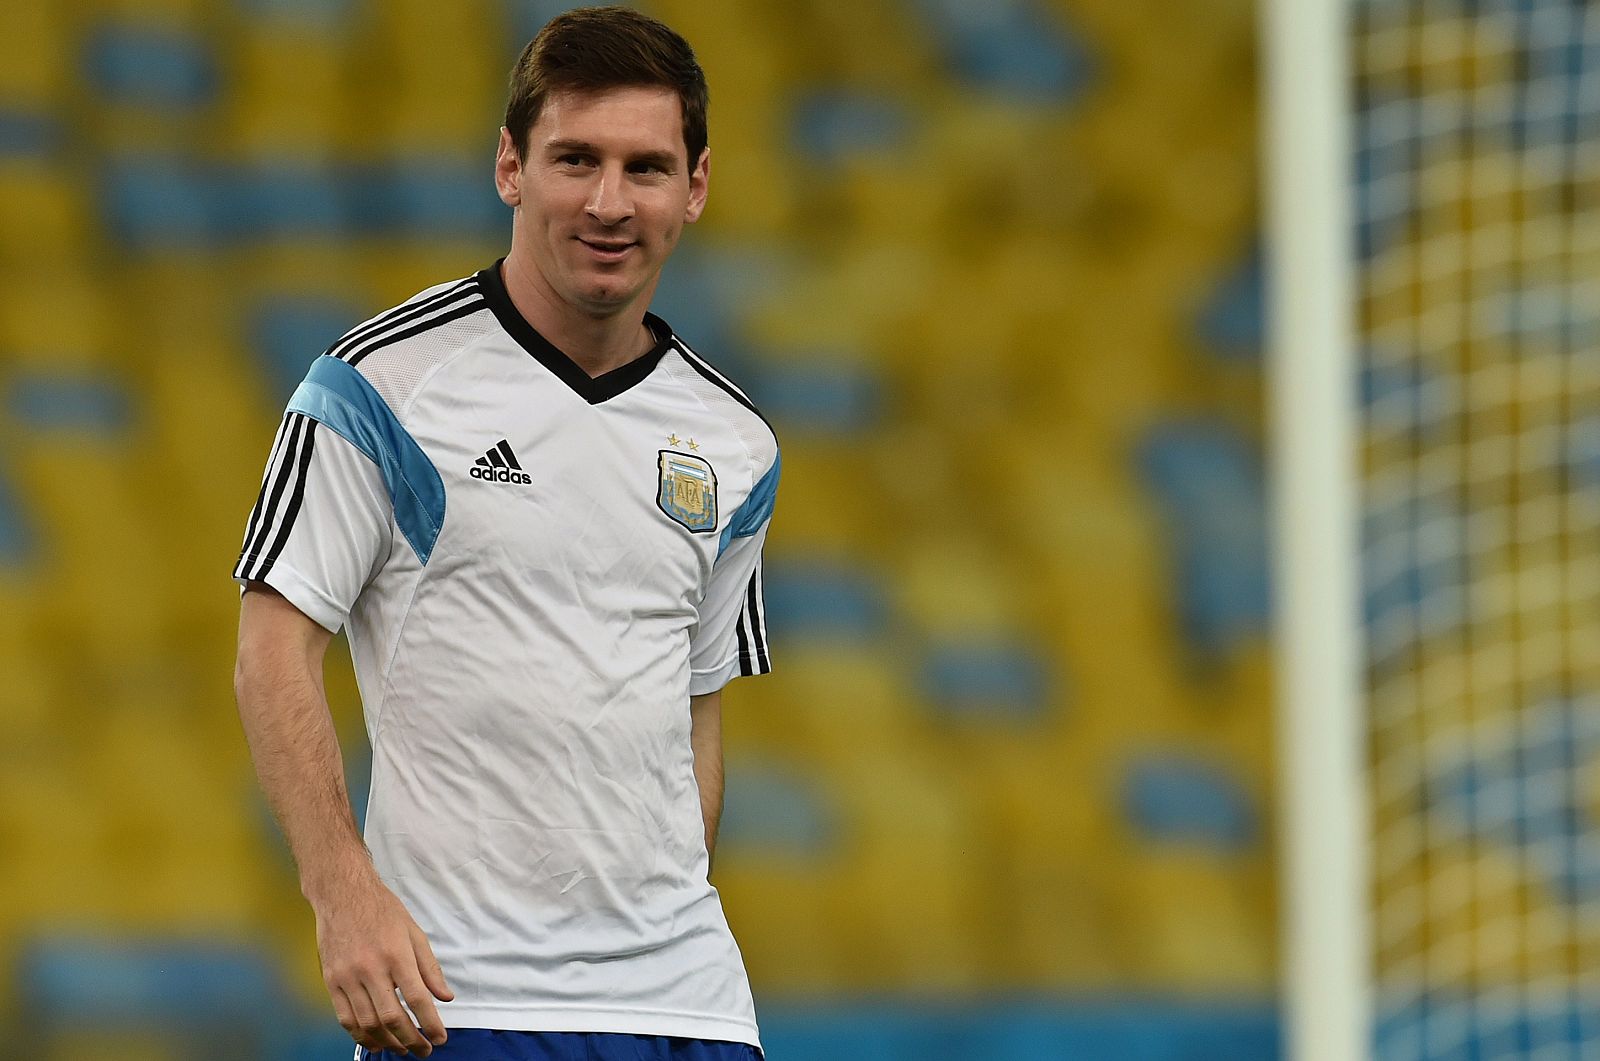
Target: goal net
1476	135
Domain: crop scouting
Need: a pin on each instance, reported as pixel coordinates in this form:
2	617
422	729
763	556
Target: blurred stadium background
994	270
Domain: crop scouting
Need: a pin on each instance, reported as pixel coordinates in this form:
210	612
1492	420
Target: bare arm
368	943
705	738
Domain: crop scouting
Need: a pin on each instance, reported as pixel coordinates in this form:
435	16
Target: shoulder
724	399
398	349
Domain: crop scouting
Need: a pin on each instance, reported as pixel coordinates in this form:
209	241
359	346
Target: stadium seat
288	333
818	391
44	213
18	539
996	682
1010	47
36	67
217	996
164	202
1232	323
773	808
432	195
153	83
62	320
1182	799
292	113
1199	924
829	127
823	601
1209	484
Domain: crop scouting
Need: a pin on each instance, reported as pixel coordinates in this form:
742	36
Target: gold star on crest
694	445
672	440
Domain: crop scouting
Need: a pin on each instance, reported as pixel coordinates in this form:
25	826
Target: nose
609	202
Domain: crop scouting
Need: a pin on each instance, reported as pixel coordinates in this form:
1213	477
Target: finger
350	1021
374	1035
422	1007
432	974
397	1022
345	1012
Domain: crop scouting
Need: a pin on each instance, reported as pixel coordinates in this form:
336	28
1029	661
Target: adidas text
501	475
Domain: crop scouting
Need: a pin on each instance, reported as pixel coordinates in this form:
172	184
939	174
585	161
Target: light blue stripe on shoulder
339	397
755	511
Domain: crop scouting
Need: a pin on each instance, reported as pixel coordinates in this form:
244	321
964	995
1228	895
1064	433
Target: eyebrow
664	159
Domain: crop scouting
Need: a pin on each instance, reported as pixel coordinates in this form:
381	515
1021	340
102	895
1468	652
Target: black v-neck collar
592	389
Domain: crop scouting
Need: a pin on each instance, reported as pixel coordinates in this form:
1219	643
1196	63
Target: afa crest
688	491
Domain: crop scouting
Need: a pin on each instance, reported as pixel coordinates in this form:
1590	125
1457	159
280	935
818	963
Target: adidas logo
500	465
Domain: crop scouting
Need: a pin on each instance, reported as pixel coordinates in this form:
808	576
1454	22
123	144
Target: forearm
706	741
286	721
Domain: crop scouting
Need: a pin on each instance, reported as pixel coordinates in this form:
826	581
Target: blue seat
154	66
1016	48
1232	321
1172	797
1006	682
27	134
1208	482
287	334
823	600
224	997
275	200
829	126
433	195
75	404
772	807
162	202
18	539
820	393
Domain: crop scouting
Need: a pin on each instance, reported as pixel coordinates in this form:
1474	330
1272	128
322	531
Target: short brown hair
606	47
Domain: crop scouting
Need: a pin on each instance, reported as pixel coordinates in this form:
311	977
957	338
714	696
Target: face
602	195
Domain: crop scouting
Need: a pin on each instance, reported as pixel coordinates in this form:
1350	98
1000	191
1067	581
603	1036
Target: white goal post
1312	448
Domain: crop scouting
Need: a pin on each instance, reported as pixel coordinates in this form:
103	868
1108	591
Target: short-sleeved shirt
536	570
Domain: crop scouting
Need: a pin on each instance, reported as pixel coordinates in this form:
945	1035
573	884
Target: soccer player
539	515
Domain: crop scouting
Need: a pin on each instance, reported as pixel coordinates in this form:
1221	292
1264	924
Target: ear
508	170
699	178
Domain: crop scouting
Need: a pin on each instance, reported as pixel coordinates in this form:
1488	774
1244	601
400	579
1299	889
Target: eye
572	159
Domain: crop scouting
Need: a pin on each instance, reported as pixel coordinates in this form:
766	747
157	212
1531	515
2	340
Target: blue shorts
479	1044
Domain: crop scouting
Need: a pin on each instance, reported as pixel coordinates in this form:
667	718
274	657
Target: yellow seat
426	105
36	53
45	216
62	320
292	94
1201	922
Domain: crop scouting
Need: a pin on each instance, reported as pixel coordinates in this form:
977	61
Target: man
540	516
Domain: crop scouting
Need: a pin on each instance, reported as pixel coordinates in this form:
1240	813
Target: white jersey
537	570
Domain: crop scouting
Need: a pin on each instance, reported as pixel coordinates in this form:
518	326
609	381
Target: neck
597	344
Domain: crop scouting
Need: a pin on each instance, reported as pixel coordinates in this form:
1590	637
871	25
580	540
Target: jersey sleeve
731	638
321	524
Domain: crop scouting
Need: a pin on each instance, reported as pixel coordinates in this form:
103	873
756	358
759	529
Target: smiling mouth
607	248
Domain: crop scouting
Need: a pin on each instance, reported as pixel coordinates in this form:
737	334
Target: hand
369	946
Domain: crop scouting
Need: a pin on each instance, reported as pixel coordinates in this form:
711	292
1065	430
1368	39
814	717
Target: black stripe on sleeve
753	609
266	479
280	482
294	502
466	309
744	645
400	314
